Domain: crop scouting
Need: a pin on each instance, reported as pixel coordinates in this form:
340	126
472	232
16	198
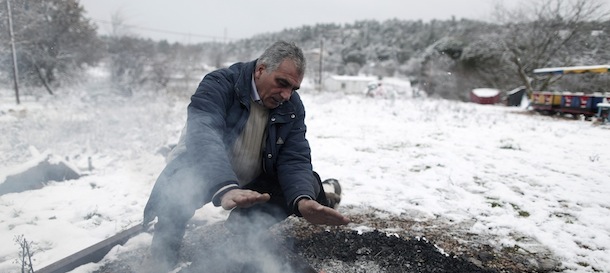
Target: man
243	148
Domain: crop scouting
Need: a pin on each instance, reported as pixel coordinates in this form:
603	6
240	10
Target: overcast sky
208	20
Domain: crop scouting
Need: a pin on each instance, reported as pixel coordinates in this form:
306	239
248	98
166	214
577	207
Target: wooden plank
92	254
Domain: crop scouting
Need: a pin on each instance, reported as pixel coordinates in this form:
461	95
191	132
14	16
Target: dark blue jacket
217	114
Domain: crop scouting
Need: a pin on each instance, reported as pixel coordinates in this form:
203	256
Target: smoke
244	244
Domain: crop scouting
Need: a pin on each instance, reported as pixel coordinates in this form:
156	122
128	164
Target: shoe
332	188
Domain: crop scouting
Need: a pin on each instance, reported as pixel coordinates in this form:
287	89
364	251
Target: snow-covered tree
53	39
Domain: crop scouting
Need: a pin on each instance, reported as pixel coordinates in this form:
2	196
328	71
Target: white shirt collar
254	95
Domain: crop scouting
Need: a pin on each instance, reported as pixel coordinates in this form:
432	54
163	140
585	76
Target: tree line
55	42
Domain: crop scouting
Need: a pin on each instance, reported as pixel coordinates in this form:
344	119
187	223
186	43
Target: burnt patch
318	250
378	251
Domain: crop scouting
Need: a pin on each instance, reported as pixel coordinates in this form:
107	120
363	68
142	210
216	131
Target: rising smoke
242	244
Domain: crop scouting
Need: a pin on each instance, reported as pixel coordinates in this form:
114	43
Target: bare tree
541	35
119	25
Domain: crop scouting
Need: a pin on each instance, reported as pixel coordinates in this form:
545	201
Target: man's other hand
240	198
318	214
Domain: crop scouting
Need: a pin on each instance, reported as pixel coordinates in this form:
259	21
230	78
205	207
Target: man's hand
241	198
318	214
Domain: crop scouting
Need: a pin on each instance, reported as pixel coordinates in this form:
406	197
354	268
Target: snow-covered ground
508	174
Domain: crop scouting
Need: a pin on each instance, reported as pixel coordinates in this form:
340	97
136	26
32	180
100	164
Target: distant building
348	84
596	33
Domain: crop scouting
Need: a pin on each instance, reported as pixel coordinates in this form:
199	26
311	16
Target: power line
165	31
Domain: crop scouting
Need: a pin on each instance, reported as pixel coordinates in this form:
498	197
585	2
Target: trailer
573	103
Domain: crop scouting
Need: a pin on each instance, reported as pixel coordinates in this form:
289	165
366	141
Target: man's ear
259	70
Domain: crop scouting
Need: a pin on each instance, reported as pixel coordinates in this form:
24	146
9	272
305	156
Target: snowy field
504	173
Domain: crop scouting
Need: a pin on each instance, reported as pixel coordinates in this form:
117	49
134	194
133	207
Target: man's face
276	87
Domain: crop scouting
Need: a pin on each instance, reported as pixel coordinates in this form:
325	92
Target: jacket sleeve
205	143
200	164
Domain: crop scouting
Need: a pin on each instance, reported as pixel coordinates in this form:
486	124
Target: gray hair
278	52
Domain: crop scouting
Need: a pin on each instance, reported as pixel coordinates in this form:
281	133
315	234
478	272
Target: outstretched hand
240	198
318	214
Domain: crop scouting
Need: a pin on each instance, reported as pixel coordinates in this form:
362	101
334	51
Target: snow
506	174
485	92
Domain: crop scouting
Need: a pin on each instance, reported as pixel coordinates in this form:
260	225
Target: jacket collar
243	85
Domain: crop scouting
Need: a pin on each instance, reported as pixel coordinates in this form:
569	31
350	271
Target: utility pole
320	70
15	70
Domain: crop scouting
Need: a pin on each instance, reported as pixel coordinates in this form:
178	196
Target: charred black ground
334	251
296	246
379	251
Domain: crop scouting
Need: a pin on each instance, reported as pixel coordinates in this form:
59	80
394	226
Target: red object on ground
485	96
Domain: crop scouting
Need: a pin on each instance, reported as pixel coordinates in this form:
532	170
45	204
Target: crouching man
243	148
